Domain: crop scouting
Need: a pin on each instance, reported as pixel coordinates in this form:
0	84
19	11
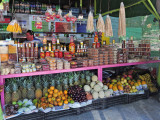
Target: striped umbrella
122	21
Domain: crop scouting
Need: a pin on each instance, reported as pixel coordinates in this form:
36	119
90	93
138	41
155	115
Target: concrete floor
148	109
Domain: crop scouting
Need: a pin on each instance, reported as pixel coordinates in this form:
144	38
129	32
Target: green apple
133	87
14	103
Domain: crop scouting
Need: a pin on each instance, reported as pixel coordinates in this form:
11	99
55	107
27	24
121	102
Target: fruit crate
57	114
32	116
96	104
115	100
134	98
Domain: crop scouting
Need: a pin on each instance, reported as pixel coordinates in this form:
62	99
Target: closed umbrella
108	27
122	21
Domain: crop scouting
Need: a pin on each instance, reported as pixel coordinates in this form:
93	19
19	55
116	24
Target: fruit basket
136	97
115	100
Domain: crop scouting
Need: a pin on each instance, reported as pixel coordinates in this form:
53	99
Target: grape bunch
77	93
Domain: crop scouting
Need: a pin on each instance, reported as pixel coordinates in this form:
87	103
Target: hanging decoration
108	27
100	22
122	21
69	17
49	15
59	15
38	23
90	21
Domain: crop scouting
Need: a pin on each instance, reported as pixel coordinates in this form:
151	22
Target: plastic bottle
72	46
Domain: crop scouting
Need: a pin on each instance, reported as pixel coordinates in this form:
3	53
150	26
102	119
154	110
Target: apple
125	81
133	87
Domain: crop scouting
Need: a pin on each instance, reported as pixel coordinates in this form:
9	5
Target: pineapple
24	89
7	95
71	79
65	82
52	82
88	78
38	92
59	86
76	79
15	95
30	91
83	80
45	87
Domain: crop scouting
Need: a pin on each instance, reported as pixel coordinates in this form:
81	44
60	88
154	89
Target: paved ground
148	109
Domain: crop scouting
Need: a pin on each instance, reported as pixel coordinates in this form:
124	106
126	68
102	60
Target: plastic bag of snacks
14	27
48	15
69	17
59	15
38	23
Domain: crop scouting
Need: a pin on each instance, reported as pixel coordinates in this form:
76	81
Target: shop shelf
32	116
57	114
134	98
115	100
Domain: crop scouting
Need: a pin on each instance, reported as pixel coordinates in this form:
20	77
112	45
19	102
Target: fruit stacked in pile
126	82
77	93
53	97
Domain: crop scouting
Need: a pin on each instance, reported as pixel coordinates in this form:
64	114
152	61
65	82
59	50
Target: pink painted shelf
76	69
99	68
129	64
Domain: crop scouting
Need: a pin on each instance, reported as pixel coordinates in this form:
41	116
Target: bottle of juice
72	46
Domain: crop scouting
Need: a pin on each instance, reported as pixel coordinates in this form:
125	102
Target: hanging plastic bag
100	24
48	14
53	16
1	16
59	15
38	23
90	22
14	27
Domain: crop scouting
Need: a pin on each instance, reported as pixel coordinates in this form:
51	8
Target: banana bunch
146	77
14	27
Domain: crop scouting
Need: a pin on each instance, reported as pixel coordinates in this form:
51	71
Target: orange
58	99
63	97
60	92
52	87
49	99
55	95
55	103
51	92
110	86
60	103
55	91
65	92
66	96
143	82
49	96
65	102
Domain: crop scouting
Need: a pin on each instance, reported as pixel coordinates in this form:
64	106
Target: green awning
136	10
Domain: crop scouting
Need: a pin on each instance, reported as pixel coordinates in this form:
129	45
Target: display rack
98	68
